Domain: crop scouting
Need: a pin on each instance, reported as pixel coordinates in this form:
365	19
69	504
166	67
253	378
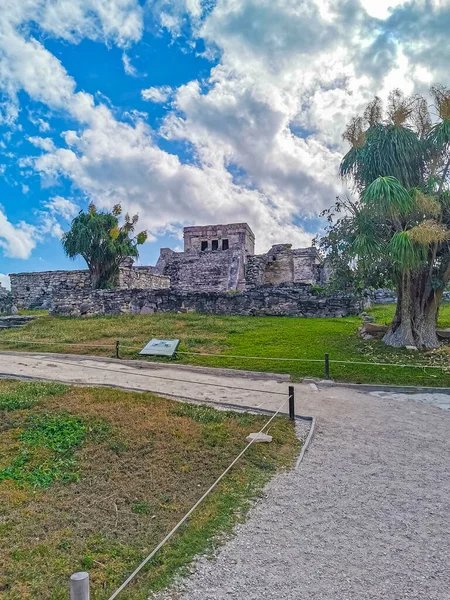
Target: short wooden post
291	403
117	349
327	366
79	586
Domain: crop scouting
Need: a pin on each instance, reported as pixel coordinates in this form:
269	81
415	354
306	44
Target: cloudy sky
192	111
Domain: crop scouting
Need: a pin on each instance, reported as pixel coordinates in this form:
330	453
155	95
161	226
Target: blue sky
192	111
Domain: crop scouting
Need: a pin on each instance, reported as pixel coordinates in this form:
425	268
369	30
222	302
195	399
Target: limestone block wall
294	301
6	301
239	236
202	271
282	264
306	265
33	290
141	278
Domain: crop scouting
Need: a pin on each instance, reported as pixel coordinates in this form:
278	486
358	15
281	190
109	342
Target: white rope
189	513
238	356
2	341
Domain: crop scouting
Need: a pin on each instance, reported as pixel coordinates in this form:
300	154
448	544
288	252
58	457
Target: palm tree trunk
415	319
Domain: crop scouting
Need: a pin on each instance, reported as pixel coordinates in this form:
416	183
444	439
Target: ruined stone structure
282	264
219	258
217	263
36	290
237	236
214	258
282	300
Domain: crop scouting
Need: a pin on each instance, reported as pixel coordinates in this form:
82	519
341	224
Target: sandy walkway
367	514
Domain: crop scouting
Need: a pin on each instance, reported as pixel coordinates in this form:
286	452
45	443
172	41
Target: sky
192	111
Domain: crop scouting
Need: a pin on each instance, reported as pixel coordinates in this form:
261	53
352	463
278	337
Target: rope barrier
232	356
189	513
2	341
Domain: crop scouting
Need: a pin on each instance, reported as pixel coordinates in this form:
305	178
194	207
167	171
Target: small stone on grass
259	438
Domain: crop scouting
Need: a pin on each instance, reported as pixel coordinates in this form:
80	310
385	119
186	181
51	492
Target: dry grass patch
135	463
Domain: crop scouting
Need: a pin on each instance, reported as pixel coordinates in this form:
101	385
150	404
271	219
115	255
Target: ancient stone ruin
218	272
219	258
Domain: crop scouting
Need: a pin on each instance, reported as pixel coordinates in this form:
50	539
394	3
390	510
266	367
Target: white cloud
43	143
128	67
158	95
62	207
117	21
19	240
263	129
40	123
49	225
117	162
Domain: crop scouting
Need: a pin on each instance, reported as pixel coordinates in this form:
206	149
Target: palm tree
399	167
104	245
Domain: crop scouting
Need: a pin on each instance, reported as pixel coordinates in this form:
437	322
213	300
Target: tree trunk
96	277
415	320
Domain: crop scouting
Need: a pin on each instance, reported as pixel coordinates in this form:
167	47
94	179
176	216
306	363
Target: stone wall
142	278
282	264
238	236
32	290
202	271
6	301
35	290
383	296
386	296
293	301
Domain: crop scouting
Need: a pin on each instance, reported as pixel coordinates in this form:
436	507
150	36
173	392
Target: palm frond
365	246
404	253
388	196
439	134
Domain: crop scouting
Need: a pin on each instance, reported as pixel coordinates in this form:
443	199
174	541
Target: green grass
46	451
113	472
261	337
28	395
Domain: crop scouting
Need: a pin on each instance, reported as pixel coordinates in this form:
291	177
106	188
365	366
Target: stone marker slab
157	347
259	438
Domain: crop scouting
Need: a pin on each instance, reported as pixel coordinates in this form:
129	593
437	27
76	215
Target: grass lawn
280	337
92	479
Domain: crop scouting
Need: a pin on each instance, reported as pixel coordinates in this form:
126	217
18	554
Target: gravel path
366	515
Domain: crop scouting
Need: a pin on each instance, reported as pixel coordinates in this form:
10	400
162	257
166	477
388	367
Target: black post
291	403
117	349
327	366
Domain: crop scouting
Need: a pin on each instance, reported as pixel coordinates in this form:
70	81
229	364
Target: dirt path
366	515
222	386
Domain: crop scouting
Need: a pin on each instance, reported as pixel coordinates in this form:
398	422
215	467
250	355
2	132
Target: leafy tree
104	245
349	274
397	228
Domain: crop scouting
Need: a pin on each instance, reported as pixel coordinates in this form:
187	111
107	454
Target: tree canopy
103	243
395	226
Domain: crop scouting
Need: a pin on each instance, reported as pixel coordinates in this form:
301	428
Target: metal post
327	366
291	403
79	586
117	349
